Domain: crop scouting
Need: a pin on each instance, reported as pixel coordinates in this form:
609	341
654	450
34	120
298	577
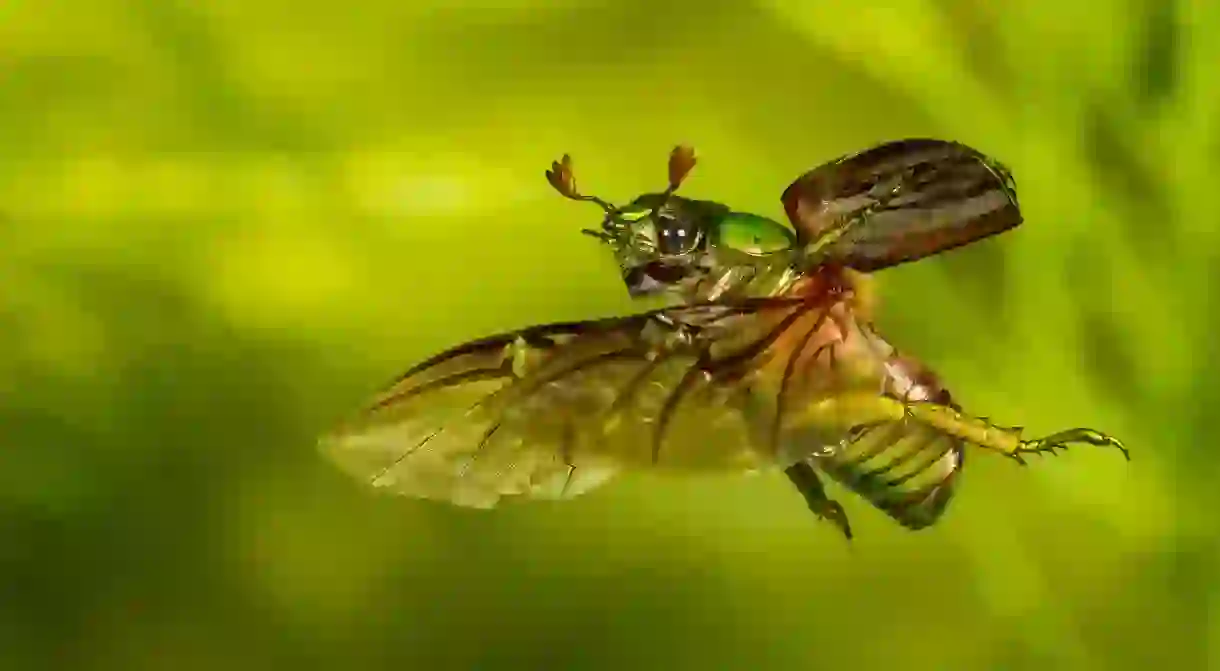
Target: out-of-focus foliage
223	223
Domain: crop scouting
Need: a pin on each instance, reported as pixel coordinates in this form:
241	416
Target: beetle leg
851	409
805	477
1007	440
1061	440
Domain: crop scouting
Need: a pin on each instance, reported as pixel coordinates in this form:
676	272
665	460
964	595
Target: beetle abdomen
903	468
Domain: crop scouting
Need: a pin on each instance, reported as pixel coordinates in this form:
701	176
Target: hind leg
1007	440
857	408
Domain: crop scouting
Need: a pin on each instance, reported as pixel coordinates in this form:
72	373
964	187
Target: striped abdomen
903	468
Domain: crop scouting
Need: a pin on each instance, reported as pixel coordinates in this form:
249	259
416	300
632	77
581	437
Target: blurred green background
223	224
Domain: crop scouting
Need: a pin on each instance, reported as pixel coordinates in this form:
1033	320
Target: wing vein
537	384
454	379
786	379
671	404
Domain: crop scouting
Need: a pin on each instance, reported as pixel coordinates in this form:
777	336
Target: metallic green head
669	244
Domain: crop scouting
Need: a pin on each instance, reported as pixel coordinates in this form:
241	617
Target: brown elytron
768	359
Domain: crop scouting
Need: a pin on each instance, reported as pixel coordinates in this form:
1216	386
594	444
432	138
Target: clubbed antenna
561	178
681	162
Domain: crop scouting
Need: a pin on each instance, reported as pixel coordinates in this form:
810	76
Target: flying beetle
764	358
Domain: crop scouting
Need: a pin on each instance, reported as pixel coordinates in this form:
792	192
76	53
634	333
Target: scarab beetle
767	358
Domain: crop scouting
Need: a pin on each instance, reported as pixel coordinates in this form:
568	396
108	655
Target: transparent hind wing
553	411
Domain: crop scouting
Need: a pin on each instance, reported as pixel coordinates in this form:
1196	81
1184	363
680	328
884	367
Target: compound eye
674	237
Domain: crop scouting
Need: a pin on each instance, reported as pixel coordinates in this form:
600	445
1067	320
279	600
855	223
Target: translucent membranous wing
555	410
900	201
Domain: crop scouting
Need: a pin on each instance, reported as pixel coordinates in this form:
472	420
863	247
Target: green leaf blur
223	224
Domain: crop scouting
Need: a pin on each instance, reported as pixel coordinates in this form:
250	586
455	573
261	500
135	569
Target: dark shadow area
1157	70
1147	217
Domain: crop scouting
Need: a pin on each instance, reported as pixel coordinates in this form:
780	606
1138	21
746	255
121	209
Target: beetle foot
1062	439
832	511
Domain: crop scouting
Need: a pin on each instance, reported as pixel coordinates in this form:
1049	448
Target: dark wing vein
536	383
781	398
688	379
